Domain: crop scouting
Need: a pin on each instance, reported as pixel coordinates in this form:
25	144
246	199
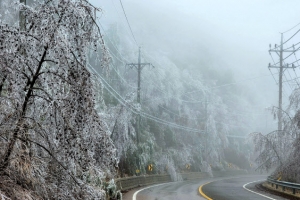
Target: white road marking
134	195
244	186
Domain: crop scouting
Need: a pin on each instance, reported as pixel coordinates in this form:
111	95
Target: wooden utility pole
22	18
139	66
281	71
206	129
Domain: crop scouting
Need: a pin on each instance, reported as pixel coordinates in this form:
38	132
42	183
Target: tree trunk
5	161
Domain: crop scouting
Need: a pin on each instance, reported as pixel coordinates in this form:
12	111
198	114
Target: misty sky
235	33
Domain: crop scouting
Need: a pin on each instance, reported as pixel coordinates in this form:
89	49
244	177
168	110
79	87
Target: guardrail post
284	185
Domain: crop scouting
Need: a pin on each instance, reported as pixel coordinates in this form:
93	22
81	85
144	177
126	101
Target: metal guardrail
128	183
284	184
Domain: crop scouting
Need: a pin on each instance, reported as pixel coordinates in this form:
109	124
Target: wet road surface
230	188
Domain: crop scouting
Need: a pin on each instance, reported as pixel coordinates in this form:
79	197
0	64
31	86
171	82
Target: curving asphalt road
215	188
238	188
184	190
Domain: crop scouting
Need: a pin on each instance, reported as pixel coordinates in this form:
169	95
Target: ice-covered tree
279	149
52	140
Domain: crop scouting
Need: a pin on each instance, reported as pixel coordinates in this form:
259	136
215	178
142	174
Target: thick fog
99	90
230	35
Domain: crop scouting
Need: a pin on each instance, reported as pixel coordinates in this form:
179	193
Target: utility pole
206	129
22	19
139	66
281	71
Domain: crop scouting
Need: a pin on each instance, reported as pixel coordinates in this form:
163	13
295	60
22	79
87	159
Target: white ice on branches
48	121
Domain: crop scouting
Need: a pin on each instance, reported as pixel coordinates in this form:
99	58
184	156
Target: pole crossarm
292	51
136	65
283	66
139	67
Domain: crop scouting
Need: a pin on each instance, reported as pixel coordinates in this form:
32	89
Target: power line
158	87
281	68
291	53
186	101
298	65
287	81
296	79
128	23
121	78
176	98
121	100
273	77
282	43
228	84
147	80
284	93
113	46
291	76
192	100
285	51
219	86
122	61
293	46
286	77
148	116
296	61
291	28
139	66
291	37
119	16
